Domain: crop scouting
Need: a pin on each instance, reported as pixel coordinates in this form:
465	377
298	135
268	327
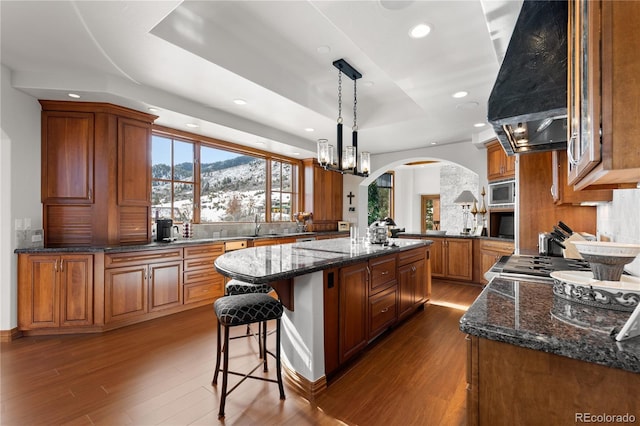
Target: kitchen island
535	358
339	296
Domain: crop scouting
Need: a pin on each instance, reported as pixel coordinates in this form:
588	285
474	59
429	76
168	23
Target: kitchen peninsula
340	295
532	354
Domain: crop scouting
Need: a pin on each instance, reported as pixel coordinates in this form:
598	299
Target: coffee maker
164	230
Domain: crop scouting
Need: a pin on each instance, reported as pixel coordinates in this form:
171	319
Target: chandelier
347	157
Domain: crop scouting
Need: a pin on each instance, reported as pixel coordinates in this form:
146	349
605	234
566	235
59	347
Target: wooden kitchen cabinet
96	174
564	193
452	258
201	281
353	310
382	294
322	195
490	252
603	94
414	282
137	283
499	165
55	291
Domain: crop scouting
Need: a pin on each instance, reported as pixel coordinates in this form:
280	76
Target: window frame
200	140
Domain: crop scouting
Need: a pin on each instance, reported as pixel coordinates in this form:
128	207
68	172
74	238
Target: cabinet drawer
140	257
199	263
383	273
199	275
382	311
411	256
500	246
205	250
203	291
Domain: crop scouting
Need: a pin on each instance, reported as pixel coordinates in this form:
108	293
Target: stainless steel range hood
528	104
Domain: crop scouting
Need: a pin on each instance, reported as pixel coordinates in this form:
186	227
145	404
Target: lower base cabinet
512	385
363	300
55	291
490	252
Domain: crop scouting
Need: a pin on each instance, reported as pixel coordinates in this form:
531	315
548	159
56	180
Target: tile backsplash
620	221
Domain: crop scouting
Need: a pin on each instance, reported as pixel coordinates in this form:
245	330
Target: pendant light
347	156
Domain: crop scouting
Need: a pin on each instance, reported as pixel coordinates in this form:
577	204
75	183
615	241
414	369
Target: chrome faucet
257	229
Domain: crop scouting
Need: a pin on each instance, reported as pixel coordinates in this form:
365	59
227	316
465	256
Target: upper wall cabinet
603	94
322	195
96	174
499	165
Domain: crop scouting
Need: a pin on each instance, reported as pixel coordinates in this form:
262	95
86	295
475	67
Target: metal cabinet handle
55	266
61	265
384	310
572	160
385	273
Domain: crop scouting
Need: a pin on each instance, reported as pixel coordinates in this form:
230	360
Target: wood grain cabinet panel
67	157
383	273
125	293
165	285
382	311
134	162
499	165
201	281
353	310
490	252
55	291
322	195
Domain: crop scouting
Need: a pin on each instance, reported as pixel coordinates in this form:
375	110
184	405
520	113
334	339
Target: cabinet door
38	305
134	163
76	290
437	257
165	285
487	260
336	196
584	91
353	310
459	259
67	157
509	166
421	284
565	194
406	288
125	292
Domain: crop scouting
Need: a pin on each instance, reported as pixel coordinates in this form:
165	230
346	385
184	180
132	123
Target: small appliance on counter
378	232
393	228
164	230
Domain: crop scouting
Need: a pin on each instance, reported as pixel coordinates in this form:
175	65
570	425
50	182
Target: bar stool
244	309
235	287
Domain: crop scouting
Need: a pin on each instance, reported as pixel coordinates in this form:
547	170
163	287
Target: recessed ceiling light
468	105
259	142
479	125
434	143
309	129
460	94
239	101
419	31
295	153
323	49
151	109
192	125
368	84
74	95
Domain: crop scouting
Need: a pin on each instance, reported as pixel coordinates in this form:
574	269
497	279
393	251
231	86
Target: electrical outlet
19	225
36	238
27	223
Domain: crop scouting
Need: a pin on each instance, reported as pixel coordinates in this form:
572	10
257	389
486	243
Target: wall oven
502	194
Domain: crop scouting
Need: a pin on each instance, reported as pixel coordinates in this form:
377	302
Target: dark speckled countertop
526	313
272	263
475	237
163	245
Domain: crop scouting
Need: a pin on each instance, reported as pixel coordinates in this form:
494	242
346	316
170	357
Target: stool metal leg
219	351
278	364
224	372
264	346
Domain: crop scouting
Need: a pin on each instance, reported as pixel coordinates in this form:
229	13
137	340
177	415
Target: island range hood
528	104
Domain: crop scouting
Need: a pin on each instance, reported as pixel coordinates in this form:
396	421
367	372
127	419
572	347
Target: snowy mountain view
232	190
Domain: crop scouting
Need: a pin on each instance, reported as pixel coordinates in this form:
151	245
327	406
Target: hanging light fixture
347	156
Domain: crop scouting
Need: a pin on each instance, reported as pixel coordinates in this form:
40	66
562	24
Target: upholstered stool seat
244	309
240	287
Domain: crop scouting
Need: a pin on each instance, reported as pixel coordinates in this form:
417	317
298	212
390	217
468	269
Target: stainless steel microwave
502	194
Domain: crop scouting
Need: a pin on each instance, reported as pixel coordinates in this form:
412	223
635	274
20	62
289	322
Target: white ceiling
191	59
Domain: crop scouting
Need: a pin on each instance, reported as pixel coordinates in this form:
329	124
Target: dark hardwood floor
159	373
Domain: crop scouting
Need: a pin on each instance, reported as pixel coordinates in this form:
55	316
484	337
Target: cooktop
537	266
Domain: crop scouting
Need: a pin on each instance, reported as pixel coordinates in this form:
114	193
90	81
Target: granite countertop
273	263
526	313
475	237
164	245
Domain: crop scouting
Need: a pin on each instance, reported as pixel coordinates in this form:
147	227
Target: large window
196	181
172	195
233	186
